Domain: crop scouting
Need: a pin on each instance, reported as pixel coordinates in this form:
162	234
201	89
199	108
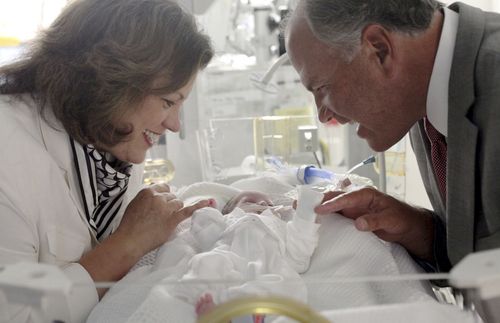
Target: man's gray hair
340	23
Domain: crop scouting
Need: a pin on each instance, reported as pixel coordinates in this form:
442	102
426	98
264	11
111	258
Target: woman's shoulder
18	116
20	133
27	170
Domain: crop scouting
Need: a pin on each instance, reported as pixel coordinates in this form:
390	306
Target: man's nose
318	99
324	114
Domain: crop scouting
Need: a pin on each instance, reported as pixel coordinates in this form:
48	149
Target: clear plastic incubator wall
230	120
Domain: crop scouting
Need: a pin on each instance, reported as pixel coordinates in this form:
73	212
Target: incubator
235	148
244	104
236	132
248	91
351	276
343	285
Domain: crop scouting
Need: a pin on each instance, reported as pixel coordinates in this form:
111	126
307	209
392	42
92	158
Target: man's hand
390	219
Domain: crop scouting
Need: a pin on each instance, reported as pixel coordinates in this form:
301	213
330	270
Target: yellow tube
300	312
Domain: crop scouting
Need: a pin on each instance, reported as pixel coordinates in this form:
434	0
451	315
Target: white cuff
305	227
307	200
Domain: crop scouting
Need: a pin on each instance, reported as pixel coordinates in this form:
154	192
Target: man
398	66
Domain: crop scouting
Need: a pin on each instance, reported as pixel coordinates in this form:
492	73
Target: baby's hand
205	304
343	184
212	203
245	198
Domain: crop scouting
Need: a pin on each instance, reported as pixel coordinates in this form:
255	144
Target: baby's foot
204	304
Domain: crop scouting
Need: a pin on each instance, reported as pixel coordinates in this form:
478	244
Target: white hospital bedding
342	251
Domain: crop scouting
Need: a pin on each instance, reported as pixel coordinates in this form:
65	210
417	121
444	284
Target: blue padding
312	172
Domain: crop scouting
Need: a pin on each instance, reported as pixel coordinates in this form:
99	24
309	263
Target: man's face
355	91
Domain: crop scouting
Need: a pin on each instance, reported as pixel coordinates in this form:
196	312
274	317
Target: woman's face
154	116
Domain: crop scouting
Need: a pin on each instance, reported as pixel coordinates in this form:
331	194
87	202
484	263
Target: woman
86	102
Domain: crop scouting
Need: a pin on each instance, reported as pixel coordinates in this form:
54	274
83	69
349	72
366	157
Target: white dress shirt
437	96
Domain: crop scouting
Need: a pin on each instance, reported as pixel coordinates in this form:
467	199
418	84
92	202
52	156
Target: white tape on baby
307	200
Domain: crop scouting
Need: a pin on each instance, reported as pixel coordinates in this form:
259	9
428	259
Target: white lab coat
41	211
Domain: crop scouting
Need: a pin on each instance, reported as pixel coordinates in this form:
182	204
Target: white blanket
342	252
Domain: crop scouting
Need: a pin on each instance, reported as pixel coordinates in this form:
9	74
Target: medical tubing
270	72
306	174
368	160
318	162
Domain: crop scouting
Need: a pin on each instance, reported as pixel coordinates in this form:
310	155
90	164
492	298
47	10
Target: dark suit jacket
471	218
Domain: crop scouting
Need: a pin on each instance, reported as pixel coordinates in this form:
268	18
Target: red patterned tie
438	155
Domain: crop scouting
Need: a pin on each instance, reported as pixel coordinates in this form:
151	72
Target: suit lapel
462	135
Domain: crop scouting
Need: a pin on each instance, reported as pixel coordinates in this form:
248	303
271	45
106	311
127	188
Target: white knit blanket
342	252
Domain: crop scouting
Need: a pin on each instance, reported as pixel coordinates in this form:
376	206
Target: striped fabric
103	182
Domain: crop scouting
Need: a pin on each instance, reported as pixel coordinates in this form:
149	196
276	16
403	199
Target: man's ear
379	44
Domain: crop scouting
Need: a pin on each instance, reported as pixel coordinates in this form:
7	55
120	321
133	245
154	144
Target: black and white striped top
107	178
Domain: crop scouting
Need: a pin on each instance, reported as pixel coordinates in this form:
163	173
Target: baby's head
226	198
257	202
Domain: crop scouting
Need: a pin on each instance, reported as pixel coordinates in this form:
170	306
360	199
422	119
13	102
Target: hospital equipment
476	279
157	167
228	92
264	82
353	277
309	174
45	287
234	148
263	305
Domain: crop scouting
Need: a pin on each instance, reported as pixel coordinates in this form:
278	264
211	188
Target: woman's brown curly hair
99	59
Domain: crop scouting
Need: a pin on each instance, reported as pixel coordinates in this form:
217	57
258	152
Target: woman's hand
388	218
152	216
149	220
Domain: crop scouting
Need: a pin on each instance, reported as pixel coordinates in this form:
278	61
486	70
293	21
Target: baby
249	254
250	202
249	241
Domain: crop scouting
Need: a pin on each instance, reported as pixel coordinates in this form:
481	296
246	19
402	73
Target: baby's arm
207	226
302	230
248	201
